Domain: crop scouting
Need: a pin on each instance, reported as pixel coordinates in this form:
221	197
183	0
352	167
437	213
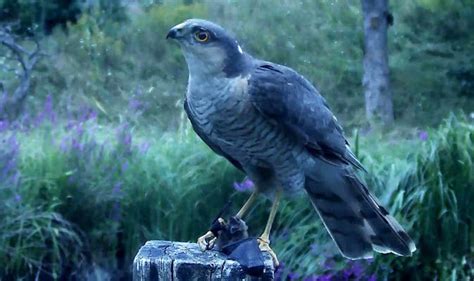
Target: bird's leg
245	208
264	239
208	240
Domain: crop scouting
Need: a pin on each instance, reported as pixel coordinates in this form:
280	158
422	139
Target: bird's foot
264	245
207	241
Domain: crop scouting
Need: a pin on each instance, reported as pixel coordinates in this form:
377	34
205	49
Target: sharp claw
264	245
207	241
211	243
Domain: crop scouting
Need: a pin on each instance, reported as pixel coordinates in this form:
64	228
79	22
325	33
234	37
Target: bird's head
208	48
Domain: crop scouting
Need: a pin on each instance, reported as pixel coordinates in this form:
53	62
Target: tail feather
352	159
355	220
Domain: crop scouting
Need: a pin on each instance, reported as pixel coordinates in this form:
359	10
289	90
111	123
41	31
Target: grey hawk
272	124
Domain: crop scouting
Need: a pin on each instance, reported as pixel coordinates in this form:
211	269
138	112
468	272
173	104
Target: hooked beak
171	34
176	32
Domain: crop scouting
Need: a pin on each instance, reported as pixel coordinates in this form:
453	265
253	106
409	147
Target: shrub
34	239
126	63
434	196
106	190
38	15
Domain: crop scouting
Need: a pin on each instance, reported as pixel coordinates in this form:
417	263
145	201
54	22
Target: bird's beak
171	34
176	32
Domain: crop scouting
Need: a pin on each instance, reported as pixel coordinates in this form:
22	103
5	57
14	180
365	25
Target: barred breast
230	120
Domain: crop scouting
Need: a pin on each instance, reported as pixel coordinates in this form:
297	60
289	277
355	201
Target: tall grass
427	183
80	198
435	197
118	187
34	240
127	64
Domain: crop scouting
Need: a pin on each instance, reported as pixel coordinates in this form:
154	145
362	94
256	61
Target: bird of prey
272	124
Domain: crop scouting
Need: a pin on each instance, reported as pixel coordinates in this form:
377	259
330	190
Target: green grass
96	193
110	189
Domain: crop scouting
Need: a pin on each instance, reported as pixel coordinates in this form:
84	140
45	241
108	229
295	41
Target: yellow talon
264	245
207	241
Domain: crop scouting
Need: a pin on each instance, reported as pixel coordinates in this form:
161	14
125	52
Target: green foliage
320	39
435	195
34	16
125	61
34	240
128	72
37	243
87	194
120	190
98	192
432	55
427	185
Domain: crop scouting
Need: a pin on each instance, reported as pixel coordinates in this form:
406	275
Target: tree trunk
11	104
376	82
166	260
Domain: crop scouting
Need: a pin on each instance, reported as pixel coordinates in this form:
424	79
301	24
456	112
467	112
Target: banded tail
355	220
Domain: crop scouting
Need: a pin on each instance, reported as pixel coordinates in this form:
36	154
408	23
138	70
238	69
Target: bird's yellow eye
201	36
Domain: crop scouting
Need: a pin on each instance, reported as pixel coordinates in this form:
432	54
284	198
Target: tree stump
178	261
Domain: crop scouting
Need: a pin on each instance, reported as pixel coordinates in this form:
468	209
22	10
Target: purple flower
8	167
372	277
423	135
325	277
47	112
124	137
357	269
17	197
329	264
144	146
79	129
116	211
293	276
87	114
93	114
354	270
285	233
48	109
63	146
117	188
9	153
124	166
279	271
16	178
246	185
3	125
76	145
127	139
134	104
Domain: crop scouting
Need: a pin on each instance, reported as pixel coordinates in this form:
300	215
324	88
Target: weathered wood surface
178	261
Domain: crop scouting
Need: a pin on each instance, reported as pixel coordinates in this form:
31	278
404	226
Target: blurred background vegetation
100	158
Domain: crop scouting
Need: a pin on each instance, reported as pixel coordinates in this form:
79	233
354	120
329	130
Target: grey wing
357	223
281	94
208	141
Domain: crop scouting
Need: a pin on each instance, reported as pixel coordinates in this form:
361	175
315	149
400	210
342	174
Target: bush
97	192
434	195
125	62
39	16
34	239
128	71
110	189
